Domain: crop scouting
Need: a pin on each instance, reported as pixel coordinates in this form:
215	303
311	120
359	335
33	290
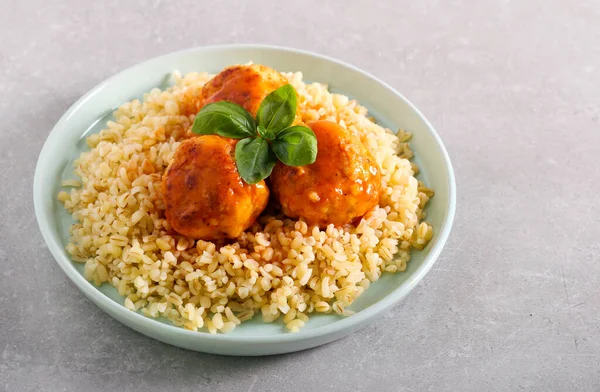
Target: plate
90	113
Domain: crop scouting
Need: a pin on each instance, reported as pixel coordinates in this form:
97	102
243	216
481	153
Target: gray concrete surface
513	89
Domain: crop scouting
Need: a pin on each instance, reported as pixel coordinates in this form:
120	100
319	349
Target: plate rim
344	323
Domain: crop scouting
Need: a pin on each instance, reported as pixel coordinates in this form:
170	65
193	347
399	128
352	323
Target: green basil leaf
295	146
265	133
254	159
225	119
278	110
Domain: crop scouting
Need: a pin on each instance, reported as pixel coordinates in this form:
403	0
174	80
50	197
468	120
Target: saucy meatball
341	185
245	85
205	196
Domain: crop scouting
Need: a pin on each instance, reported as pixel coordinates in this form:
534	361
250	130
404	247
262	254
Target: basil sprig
265	140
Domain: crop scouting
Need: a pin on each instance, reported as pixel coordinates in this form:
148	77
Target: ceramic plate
90	113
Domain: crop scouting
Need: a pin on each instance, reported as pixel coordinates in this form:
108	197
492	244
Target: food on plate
204	195
341	185
170	206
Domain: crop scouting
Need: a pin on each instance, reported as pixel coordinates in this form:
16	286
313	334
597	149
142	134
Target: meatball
341	185
205	196
245	85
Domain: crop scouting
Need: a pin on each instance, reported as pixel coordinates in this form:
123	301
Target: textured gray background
512	87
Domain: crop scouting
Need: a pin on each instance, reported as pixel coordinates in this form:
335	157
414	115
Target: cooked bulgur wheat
280	268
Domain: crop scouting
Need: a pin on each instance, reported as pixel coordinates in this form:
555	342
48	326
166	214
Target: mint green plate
90	113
